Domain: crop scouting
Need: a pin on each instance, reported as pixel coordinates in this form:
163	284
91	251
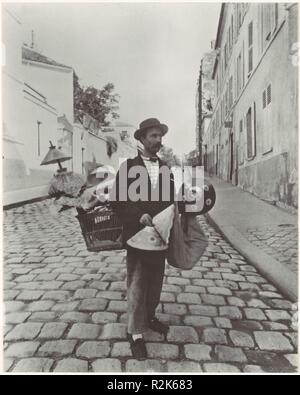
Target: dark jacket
130	212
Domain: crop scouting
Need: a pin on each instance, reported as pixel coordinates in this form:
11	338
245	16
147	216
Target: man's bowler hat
150	123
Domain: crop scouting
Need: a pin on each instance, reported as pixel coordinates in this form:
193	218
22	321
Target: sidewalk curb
279	275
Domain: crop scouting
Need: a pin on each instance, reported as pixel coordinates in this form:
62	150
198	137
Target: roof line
219	25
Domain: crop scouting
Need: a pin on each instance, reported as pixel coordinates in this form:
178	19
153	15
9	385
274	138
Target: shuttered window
250	48
251	132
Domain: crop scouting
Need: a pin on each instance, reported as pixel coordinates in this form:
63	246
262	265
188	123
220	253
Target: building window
250	48
230	92
251	132
266	121
239	74
269	22
241	143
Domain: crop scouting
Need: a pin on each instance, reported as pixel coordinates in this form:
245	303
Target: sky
151	52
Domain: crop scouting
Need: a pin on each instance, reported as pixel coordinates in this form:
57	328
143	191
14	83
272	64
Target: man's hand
146	220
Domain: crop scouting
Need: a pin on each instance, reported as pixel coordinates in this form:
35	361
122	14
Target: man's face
152	140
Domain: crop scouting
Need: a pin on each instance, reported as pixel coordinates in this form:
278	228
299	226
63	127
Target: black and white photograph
149	190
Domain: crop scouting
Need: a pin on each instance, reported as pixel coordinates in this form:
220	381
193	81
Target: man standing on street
145	269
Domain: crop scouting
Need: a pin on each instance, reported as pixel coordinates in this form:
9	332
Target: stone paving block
7	364
257	303
221	322
214	336
111	295
273	341
16	318
107	365
234	301
195	289
168	318
219	291
182	334
255	314
118	286
93	305
117	306
75	317
210	276
281	304
85	293
72	365
65	307
178	281
171	288
197	352
271	295
42	316
184	367
197	321
27	331
278	315
114	331
121	350
73	285
213	300
162	351
230	354
34	365
231	312
167	297
274	326
25	278
99	285
114	277
47	277
104	317
191	274
84	331
21	349
209	311
13	306
93	349
68	277
10	295
53	330
241	339
188	298
30	295
233	277
57	348
220	368
204	283
245	325
57	295
175	308
148	366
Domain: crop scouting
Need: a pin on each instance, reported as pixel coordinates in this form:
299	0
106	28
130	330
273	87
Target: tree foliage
101	104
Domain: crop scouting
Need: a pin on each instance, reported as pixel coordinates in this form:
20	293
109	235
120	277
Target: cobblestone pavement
281	242
66	307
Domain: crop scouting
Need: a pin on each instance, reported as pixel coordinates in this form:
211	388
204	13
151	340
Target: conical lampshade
54	156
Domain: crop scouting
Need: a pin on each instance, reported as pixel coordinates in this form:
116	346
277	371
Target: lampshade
54	156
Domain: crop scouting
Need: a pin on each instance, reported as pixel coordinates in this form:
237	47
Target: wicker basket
101	229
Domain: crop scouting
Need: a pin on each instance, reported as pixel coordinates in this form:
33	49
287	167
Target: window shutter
249	133
264	99
269	94
253	129
274	16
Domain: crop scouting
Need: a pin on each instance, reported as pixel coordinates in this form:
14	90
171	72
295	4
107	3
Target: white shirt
153	170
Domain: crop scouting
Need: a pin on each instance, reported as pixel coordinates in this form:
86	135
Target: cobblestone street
66	307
